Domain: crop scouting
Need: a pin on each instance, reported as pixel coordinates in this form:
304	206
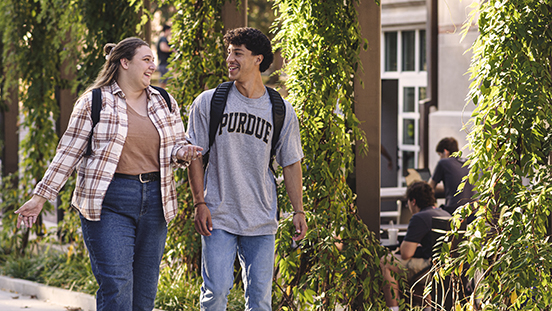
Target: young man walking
235	197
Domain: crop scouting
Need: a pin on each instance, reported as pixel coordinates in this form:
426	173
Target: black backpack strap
95	114
218	103
278	116
165	95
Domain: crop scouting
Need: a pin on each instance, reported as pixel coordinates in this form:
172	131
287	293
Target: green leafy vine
506	249
321	42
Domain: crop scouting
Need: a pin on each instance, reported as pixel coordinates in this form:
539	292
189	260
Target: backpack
218	103
97	107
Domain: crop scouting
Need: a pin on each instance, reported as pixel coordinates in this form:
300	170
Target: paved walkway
16	294
10	301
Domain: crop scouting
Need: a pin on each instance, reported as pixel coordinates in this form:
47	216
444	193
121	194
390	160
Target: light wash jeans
256	255
126	245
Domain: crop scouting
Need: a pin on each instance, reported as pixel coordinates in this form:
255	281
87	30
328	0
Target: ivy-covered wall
507	248
39	36
321	41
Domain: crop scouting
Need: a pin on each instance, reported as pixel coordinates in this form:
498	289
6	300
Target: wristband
299	212
198	203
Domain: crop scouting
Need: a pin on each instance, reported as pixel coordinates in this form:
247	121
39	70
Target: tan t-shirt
141	149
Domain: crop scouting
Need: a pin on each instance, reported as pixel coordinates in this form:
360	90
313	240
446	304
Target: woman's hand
28	213
189	153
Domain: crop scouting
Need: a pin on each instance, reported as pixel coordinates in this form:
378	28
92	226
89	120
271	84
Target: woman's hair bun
108	47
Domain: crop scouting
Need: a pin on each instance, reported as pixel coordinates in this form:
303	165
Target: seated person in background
416	248
450	171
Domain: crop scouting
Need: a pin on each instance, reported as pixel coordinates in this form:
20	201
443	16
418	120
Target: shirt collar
149	91
116	89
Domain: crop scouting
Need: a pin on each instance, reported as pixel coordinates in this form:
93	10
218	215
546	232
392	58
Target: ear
124	63
259	59
415	207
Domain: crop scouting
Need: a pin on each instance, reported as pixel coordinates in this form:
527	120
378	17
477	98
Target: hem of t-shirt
235	232
412	241
288	163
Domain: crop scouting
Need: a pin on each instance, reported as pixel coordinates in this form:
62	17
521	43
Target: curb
54	295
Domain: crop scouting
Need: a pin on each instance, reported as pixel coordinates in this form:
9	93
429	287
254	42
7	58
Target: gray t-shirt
239	186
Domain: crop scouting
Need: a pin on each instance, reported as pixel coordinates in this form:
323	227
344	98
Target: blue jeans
256	255
126	245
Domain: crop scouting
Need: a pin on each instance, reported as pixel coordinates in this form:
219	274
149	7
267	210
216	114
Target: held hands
29	211
300	223
189	153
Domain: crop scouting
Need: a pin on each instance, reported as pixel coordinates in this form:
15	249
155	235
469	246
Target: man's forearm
195	177
293	179
408	249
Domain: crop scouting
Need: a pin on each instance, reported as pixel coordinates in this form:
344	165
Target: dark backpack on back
97	107
218	103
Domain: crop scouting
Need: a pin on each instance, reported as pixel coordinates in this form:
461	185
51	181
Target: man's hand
300	223
202	220
28	213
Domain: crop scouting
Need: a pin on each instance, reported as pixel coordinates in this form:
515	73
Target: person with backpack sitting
124	140
239	126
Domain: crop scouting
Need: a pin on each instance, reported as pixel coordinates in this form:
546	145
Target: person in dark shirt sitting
416	248
451	170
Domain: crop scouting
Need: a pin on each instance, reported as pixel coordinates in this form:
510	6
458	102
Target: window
423	57
408	50
391	51
404	60
409	102
405	51
409	131
422	93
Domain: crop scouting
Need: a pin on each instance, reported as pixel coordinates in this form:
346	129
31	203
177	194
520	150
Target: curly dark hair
253	40
448	143
422	192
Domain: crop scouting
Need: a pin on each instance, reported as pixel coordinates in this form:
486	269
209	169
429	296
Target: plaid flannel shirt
96	171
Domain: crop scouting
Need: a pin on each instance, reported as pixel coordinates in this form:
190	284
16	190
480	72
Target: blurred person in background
451	170
163	53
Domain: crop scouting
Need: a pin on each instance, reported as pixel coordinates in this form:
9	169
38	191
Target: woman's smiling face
142	66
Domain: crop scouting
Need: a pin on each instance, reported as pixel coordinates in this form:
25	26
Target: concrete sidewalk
13	301
18	294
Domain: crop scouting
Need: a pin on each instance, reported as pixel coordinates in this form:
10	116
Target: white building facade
406	57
